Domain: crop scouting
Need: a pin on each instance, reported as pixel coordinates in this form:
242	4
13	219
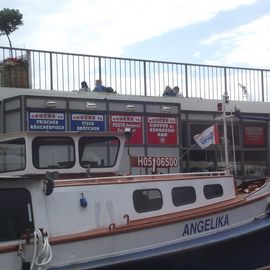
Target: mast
225	138
225	132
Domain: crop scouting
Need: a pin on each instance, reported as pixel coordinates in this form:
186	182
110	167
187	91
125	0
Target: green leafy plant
10	19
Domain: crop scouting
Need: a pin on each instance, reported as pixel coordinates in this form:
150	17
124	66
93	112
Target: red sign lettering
254	136
118	122
162	130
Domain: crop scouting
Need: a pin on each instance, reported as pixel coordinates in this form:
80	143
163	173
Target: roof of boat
12	135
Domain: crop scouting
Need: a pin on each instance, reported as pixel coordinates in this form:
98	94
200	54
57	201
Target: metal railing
47	70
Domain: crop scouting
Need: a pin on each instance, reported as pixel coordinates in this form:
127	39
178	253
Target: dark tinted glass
146	200
212	191
183	195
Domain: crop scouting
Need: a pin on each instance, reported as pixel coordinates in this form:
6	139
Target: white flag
207	137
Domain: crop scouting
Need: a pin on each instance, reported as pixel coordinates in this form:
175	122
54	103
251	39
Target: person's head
98	82
176	89
84	84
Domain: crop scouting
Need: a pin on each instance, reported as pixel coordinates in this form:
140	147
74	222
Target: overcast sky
220	32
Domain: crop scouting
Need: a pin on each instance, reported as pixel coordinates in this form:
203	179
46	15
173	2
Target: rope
42	253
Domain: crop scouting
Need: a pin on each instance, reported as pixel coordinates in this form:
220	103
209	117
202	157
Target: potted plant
14	73
13	70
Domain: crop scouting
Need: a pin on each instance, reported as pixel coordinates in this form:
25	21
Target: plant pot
14	76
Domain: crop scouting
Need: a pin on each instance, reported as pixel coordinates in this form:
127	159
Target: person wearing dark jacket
171	91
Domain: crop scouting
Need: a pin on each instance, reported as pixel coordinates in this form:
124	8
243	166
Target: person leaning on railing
101	88
84	87
173	92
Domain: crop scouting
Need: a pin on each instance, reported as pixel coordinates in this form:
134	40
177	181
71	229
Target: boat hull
150	238
196	245
248	252
156	241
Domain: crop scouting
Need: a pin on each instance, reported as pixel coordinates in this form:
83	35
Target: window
255	164
183	195
15	213
146	200
184	133
53	153
212	191
236	167
202	161
98	151
232	134
12	155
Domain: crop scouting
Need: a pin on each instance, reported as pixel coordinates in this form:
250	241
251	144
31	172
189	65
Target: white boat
64	205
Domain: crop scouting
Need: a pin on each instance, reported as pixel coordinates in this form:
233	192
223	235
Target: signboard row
159	129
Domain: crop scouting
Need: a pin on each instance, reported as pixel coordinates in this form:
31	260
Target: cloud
106	27
196	54
246	45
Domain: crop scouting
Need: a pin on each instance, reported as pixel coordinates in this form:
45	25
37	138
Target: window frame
146	209
186	201
55	140
110	139
24	154
211	196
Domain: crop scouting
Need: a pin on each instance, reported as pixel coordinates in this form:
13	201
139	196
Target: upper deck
59	71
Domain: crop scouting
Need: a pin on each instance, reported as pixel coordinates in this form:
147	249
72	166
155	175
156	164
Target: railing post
144	77
51	71
29	68
99	68
262	85
186	80
225	83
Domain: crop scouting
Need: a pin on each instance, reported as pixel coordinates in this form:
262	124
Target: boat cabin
35	153
87	165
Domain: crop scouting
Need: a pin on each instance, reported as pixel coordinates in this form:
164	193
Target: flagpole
225	98
233	144
188	150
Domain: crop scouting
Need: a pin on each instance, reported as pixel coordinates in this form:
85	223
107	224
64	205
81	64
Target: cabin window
183	195
146	200
15	213
53	153
255	163
212	191
98	152
12	155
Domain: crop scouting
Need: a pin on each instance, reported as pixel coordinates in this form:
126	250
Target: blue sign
87	122
46	121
